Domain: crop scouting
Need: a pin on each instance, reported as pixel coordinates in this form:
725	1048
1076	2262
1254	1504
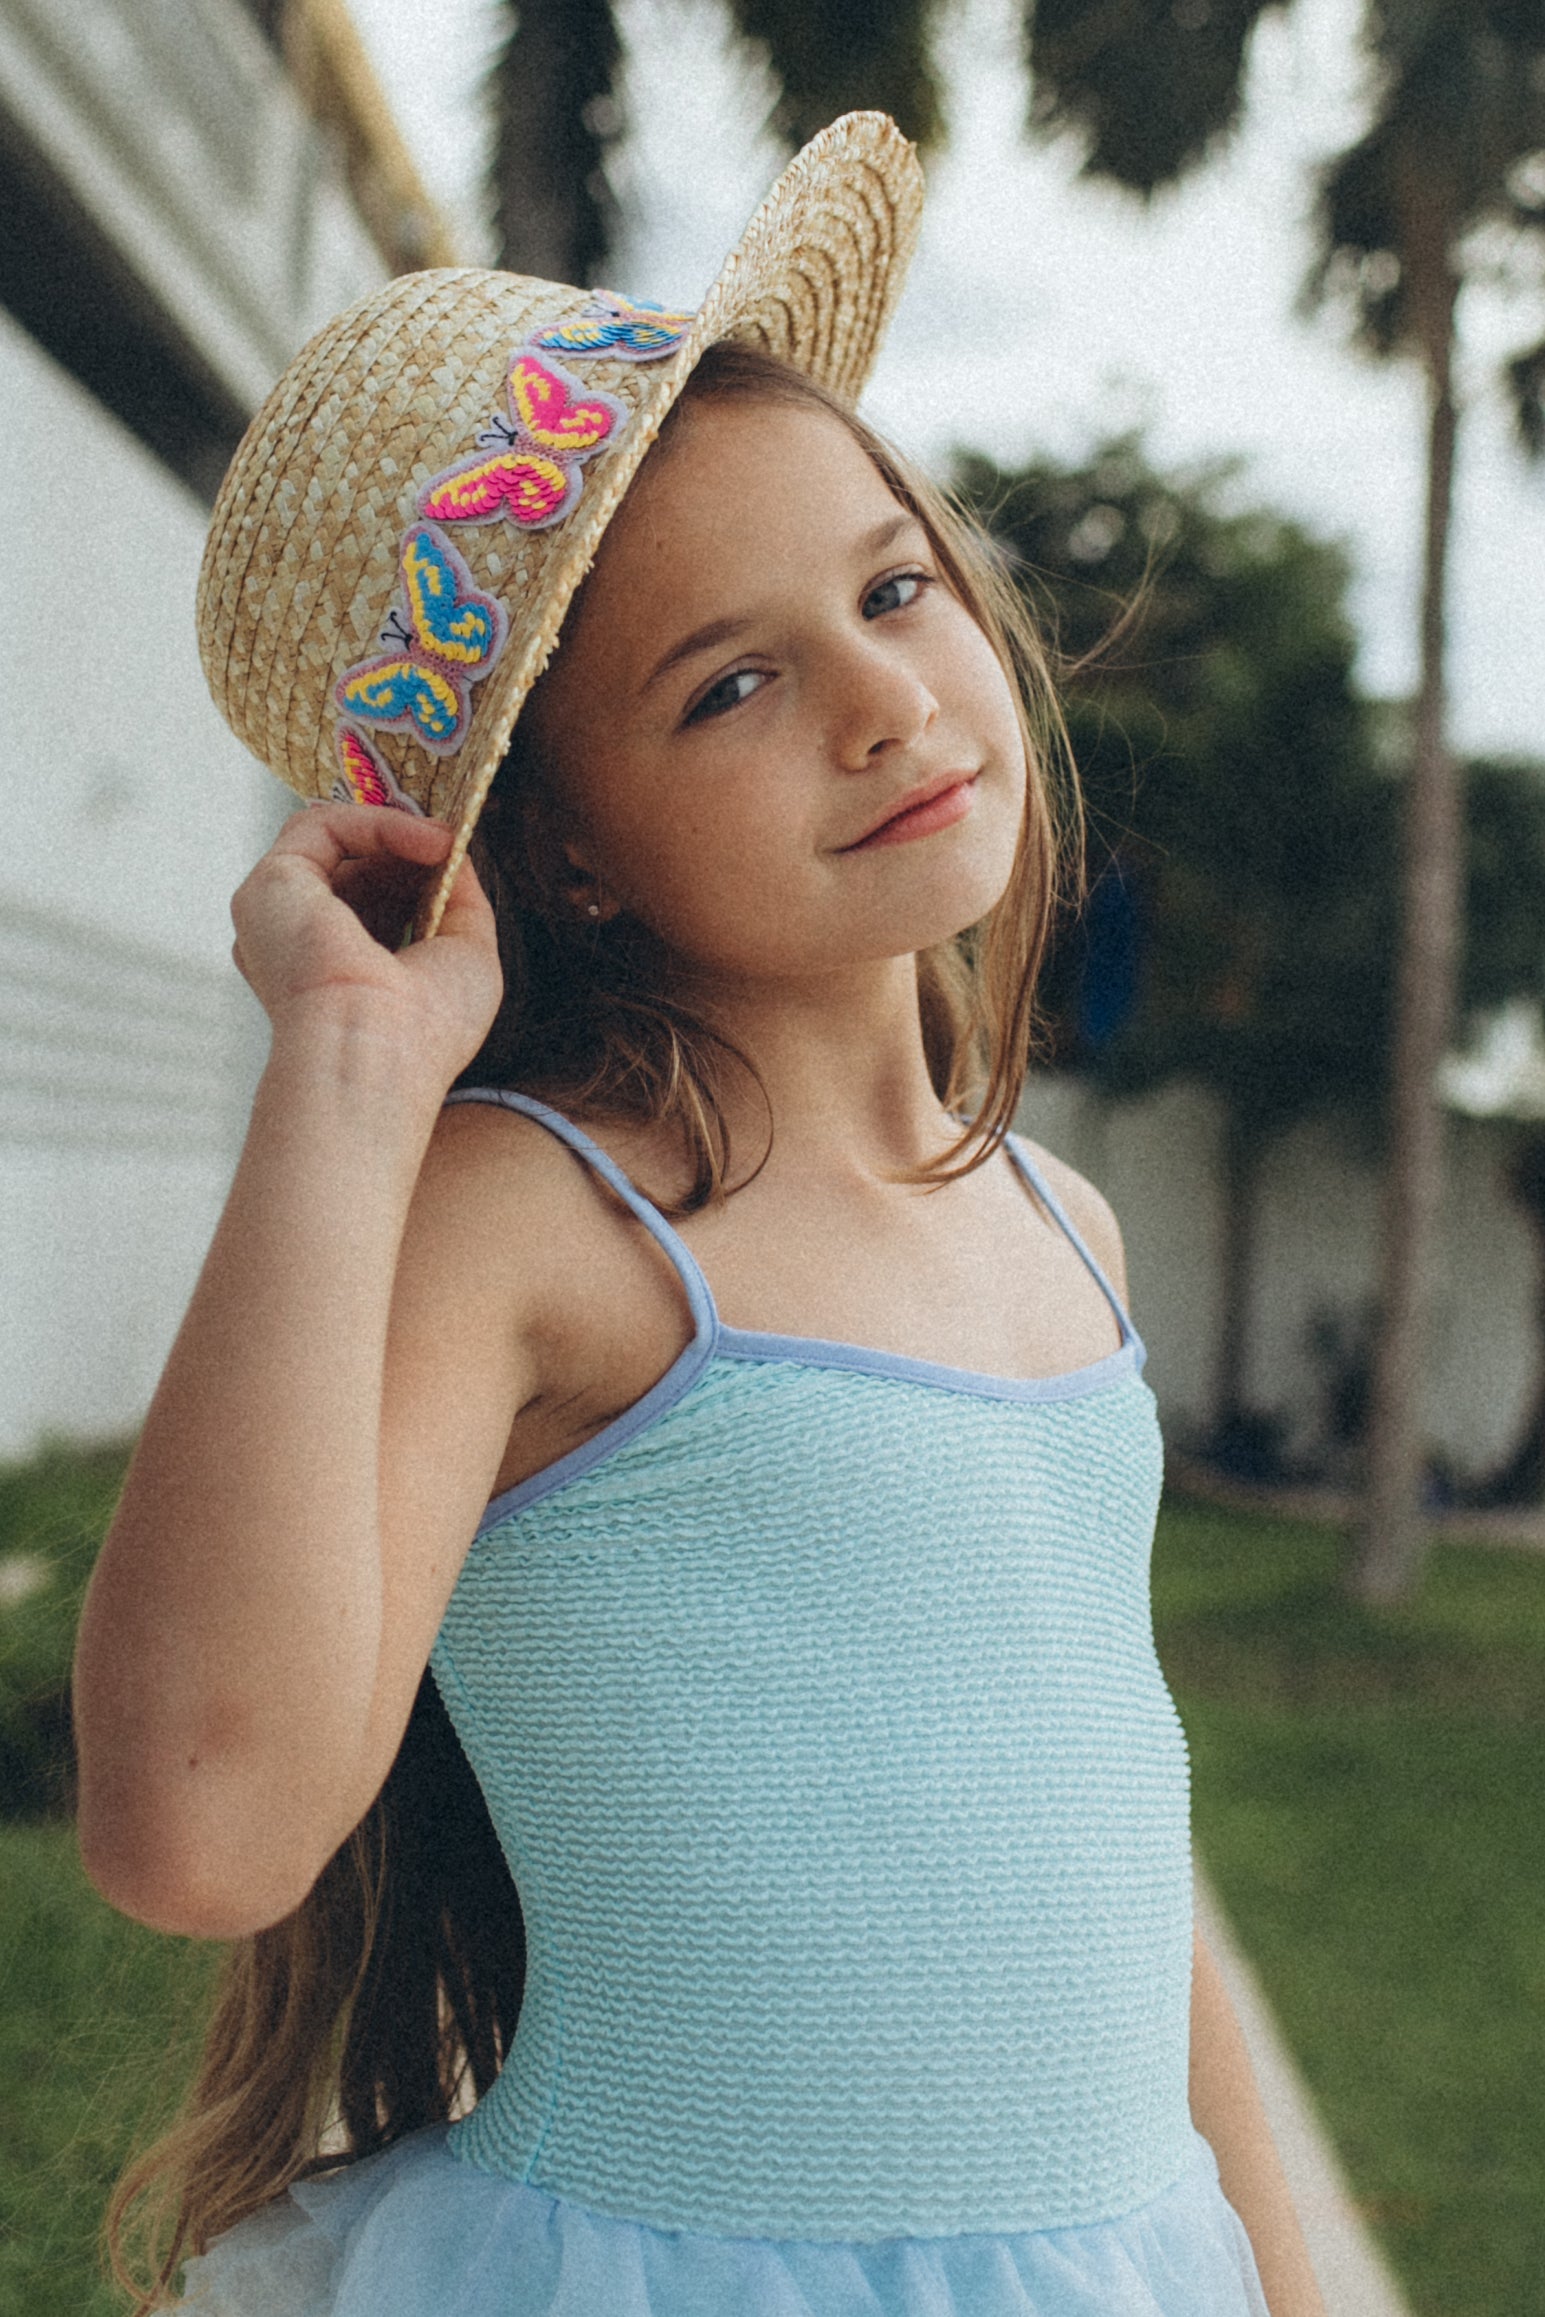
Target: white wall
128	1044
1157	1161
127	1041
173	126
129	803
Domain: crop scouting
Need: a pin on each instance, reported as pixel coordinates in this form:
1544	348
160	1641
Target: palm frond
857	55
1147	87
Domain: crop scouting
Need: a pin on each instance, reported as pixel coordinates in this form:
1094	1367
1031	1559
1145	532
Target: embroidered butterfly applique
442	636
363	778
628	329
532	470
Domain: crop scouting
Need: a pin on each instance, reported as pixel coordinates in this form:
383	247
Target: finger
467	908
328	834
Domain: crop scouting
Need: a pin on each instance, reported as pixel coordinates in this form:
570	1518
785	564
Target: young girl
745	1431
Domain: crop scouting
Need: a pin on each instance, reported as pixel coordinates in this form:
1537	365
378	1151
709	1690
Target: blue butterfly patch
628	329
442	636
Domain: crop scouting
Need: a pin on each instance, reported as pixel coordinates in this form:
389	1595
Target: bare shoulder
502	1205
485	1150
1088	1209
502	1222
472	1273
530	1301
543	1238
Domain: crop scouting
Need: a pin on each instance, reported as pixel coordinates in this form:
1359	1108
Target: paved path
1522	1526
1352	2272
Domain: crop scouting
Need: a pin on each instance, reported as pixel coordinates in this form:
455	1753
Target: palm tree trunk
556	113
1389	1547
1242	1150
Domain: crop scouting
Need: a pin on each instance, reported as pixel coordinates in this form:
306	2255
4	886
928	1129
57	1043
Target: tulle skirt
415	2232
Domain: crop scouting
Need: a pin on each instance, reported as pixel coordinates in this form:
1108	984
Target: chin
920	930
955	903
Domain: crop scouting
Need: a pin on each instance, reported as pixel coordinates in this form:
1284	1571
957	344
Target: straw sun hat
408	516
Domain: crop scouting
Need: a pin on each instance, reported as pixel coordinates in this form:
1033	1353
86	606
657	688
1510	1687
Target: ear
582	887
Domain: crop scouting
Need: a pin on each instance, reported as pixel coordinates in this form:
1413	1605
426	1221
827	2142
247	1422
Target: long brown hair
388	1999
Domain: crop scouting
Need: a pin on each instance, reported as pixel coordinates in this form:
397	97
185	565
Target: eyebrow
723	631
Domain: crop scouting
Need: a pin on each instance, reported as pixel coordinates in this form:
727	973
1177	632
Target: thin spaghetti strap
700	1302
1059	1214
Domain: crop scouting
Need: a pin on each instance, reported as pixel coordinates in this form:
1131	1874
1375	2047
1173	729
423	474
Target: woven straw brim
302	563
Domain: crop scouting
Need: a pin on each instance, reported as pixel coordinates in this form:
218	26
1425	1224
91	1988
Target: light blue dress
815	1705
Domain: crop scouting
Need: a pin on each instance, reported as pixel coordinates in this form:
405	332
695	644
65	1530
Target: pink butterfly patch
363	779
530	470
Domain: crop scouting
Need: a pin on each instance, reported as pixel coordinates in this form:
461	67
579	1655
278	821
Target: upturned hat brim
383	582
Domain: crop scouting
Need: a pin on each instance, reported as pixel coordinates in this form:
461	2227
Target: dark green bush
53	1512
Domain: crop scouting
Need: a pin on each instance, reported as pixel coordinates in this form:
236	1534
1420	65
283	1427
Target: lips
934	805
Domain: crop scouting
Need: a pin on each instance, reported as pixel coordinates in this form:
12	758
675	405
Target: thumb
467	913
460	910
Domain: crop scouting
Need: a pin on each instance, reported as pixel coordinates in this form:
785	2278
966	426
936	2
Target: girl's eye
728	692
895	593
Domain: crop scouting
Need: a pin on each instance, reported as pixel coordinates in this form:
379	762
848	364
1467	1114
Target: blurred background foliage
1240	928
53	1513
1244	802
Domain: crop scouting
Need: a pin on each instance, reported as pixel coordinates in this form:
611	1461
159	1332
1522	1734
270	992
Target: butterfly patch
628	329
362	777
441	637
529	470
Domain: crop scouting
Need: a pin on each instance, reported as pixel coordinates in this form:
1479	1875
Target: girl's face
778	738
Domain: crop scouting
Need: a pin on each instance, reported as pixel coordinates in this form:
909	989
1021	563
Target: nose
881	702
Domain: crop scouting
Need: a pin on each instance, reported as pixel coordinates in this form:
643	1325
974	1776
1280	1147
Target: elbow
184	1872
211	1832
170	1894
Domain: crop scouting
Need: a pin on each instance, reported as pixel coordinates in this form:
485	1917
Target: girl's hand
318	922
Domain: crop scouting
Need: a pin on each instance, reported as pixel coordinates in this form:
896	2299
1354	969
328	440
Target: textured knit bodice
816	1707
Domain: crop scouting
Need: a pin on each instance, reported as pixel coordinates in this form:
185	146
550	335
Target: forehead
739	497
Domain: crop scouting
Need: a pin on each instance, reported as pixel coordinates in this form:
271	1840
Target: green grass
1370	1802
100	2018
97	2035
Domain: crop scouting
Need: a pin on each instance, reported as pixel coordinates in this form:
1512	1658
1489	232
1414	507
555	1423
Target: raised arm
233	1714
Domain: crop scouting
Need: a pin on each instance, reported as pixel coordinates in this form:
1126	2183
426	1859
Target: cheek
669	859
979	671
716	869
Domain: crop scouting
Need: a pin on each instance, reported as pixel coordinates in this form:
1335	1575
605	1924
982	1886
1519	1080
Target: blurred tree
556	116
1243	867
558	107
1520	1478
1240	921
1447	180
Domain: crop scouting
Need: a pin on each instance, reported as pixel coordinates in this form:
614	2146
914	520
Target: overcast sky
1042	313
